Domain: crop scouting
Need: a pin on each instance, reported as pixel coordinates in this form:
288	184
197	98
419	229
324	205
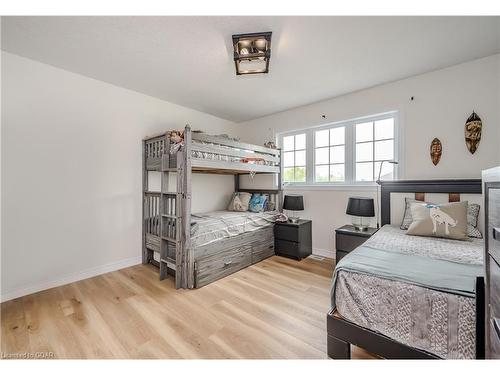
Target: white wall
442	102
71	173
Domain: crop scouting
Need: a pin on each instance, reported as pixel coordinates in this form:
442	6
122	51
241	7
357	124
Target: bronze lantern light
252	53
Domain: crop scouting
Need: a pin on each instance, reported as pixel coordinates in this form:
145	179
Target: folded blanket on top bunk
214	226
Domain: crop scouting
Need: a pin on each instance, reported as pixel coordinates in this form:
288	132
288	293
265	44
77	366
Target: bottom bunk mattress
215	226
416	290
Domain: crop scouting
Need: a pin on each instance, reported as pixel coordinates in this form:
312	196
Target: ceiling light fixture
252	53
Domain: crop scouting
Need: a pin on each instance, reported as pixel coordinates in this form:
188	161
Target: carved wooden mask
436	151
473	128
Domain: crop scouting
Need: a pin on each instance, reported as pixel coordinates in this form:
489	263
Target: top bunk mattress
214	226
440	322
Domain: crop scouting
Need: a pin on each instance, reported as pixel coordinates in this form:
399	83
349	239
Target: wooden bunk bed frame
167	215
341	333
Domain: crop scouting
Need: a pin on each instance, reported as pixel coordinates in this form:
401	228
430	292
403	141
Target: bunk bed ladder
146	253
159	208
164	209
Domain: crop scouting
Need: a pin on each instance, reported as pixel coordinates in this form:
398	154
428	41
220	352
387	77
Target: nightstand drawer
289	248
494	223
494	287
346	242
286	232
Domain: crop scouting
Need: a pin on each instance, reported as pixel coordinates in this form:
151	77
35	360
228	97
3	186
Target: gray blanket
437	274
217	225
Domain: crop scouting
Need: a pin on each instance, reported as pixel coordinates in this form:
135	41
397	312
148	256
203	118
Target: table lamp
360	208
293	203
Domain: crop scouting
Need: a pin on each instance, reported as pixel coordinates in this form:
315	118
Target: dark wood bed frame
342	333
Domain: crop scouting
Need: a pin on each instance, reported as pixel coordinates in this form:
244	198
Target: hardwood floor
274	309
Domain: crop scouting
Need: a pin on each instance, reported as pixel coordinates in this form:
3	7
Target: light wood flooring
274	309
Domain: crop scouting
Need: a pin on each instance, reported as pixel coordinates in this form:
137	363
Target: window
374	143
329	155
348	152
294	158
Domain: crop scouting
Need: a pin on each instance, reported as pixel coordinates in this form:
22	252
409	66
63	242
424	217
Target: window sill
339	187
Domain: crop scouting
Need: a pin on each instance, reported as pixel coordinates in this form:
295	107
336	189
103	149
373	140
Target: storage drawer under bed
216	266
494	223
262	251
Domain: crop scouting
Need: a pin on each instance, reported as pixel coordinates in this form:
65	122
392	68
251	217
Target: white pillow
245	199
239	202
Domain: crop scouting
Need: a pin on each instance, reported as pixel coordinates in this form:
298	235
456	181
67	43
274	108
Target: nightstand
293	240
347	238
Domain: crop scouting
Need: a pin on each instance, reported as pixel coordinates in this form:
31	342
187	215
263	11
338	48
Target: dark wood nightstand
347	238
293	240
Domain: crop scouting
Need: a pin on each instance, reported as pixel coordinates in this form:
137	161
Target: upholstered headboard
436	191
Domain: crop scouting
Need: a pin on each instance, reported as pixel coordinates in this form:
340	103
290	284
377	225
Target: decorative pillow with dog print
472	218
439	220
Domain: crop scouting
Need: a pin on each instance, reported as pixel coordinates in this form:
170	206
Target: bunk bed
167	219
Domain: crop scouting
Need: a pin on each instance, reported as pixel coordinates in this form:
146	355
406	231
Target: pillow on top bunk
439	220
239	202
472	217
257	203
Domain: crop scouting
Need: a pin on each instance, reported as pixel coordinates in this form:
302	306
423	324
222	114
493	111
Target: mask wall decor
473	128
436	151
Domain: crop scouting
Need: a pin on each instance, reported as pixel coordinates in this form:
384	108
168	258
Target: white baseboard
324	253
71	278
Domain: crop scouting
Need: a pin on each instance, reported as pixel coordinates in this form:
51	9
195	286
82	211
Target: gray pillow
407	218
472	217
439	220
472	220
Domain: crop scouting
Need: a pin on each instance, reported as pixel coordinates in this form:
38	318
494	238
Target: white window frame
350	152
308	156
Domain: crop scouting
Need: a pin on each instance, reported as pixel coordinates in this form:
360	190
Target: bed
210	227
403	296
197	249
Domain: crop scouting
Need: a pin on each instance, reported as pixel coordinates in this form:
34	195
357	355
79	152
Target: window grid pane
300	158
300	141
337	172
384	129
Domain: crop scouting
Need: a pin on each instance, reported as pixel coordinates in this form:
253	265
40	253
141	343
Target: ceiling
188	60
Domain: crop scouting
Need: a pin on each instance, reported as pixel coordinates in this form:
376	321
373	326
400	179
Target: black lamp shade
293	203
360	206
